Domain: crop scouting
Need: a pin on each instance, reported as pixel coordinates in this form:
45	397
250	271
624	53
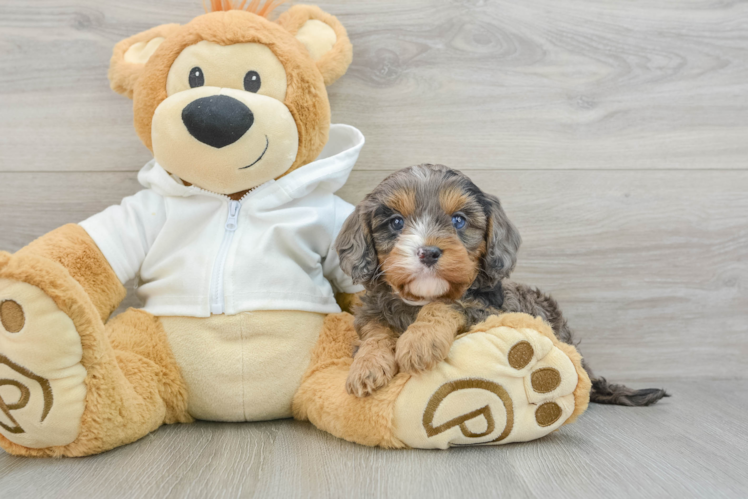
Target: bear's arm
106	250
72	248
125	233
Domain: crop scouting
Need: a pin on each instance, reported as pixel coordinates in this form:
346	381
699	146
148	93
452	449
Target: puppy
431	249
433	252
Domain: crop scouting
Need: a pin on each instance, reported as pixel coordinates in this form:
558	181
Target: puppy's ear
355	247
323	36
502	243
130	55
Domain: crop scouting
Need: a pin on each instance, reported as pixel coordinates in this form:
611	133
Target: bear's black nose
218	120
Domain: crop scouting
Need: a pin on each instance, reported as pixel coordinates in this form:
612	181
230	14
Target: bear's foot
508	380
42	380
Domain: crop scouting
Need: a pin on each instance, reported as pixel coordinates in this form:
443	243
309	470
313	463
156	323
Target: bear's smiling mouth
267	143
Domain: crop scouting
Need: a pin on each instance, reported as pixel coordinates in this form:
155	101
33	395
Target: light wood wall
615	133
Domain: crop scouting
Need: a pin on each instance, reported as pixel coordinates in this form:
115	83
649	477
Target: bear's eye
252	81
197	79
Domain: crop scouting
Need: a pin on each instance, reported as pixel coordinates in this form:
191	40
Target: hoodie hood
327	173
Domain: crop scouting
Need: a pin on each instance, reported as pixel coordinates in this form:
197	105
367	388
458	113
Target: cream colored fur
317	37
476	359
252	367
187	158
44	357
140	52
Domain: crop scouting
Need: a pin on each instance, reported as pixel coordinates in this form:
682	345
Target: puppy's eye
397	223
252	82
197	78
458	221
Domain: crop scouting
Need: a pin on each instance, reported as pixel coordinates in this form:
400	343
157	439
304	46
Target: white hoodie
199	253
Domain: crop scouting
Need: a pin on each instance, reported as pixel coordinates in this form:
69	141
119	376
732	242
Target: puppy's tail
603	392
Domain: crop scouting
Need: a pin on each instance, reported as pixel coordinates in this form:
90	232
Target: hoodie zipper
217	295
217	301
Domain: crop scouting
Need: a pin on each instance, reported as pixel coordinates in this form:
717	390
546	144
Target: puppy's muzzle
429	255
217	120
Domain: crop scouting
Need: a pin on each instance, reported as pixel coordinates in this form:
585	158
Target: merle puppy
434	253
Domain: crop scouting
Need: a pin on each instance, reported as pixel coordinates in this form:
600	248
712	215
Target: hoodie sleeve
124	233
331	266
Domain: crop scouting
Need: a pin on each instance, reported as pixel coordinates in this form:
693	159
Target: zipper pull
232	221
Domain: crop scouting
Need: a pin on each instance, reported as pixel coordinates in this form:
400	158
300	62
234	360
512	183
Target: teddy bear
231	242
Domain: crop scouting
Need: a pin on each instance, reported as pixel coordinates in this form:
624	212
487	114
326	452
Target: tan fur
123	400
521	320
323	400
72	247
140	335
403	201
452	200
348	301
335	63
456	265
396	275
427	341
123	75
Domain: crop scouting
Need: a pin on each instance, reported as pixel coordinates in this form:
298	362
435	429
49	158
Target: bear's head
232	100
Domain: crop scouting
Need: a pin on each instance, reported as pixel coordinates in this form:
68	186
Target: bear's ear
323	36
130	55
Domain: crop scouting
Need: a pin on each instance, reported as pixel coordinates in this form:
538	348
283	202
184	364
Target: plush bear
232	245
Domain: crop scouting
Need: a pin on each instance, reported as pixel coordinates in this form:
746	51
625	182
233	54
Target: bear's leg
507	380
66	389
322	398
146	359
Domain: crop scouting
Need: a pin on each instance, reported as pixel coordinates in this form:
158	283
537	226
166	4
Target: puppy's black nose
429	255
217	120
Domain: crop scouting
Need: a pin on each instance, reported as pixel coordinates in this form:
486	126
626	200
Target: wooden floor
692	445
616	135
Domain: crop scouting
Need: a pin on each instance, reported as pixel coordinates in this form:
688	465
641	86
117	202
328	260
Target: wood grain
691	445
648	266
538	84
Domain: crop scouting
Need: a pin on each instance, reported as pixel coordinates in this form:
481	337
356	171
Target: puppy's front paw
370	372
420	348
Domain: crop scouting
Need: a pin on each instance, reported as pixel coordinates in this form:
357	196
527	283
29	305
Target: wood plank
648	266
688	446
581	84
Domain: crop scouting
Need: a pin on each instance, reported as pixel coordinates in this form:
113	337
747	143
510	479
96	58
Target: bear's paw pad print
500	386
42	381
